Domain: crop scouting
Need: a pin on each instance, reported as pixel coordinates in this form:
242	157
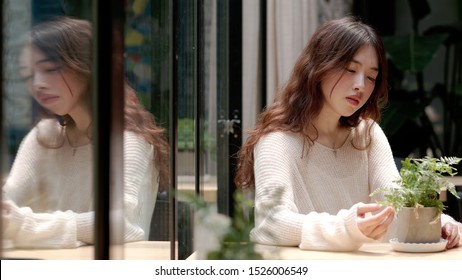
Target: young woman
49	196
317	152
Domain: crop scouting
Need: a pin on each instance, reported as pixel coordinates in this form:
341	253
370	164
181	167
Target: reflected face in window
56	88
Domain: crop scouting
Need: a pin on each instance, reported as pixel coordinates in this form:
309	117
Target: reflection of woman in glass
49	189
317	152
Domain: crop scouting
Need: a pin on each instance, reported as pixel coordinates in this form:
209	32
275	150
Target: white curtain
251	58
289	26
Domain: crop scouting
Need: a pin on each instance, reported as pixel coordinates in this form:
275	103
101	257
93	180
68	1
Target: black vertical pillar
235	91
108	98
2	136
173	124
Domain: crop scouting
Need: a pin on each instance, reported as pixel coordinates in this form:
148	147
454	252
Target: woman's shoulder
368	126
133	140
49	132
281	137
280	142
133	137
365	124
367	130
49	125
43	135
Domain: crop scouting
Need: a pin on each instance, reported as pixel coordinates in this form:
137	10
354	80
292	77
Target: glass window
54	142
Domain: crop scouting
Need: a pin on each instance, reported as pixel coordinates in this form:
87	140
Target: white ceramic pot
418	225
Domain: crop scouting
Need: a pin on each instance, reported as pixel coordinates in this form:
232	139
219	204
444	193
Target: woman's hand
7	206
450	231
6	213
374	226
9	209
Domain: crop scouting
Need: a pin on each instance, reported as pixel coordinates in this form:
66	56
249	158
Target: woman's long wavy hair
68	42
299	102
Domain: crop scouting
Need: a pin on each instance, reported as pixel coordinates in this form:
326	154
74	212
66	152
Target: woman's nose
359	83
38	83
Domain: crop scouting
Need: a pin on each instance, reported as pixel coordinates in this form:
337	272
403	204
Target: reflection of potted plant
217	236
416	198
186	145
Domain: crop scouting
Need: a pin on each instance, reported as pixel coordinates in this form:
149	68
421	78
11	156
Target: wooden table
369	251
142	250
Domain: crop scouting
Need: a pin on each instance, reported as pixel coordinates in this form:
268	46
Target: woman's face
55	88
347	90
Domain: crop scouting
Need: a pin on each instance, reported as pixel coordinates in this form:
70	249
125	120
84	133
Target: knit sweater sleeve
26	229
278	220
25	173
22	226
62	228
140	188
382	167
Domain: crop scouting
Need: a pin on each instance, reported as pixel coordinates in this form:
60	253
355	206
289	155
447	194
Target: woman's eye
372	79
53	69
27	78
351	70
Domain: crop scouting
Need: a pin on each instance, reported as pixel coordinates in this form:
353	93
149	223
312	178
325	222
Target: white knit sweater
309	199
54	193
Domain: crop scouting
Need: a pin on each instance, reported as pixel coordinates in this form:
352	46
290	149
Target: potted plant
416	200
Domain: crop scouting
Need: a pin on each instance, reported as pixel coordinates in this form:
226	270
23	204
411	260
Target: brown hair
142	122
68	42
300	101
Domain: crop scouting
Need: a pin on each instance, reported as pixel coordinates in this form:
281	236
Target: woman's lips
47	99
353	100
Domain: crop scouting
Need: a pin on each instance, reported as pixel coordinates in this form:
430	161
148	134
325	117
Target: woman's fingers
451	232
6	206
363	209
374	226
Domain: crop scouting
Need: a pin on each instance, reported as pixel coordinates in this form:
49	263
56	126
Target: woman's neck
328	132
327	123
82	118
79	131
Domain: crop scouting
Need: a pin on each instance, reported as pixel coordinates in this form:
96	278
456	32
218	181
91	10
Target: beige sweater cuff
85	227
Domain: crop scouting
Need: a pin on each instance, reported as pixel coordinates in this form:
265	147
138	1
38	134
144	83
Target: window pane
51	181
47	150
